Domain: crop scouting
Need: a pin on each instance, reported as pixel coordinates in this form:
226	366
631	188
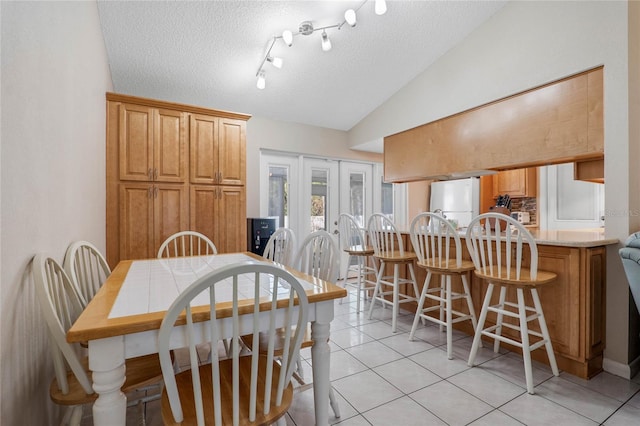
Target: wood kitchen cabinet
226	206
152	144
516	183
555	123
173	167
217	150
149	213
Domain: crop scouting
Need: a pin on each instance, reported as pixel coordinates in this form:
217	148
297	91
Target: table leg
320	356
106	361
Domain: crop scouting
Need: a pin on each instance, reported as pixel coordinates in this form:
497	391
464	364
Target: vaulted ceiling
207	53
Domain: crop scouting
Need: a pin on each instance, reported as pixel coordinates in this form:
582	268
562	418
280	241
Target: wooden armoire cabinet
170	168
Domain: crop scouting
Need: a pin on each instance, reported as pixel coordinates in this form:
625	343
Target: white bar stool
389	249
434	241
496	242
352	239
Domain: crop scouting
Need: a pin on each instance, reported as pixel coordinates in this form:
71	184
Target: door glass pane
319	188
356	199
278	194
387	199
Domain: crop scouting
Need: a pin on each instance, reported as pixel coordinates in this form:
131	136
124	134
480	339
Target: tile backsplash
526	204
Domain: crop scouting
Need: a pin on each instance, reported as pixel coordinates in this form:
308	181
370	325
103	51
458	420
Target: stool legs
524	343
395	292
445	306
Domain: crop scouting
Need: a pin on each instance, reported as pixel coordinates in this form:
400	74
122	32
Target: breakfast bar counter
574	304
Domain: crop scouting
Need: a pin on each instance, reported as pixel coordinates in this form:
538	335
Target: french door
308	194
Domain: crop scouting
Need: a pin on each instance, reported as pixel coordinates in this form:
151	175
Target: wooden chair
389	250
61	304
246	390
439	250
87	268
187	243
281	247
353	241
498	246
321	256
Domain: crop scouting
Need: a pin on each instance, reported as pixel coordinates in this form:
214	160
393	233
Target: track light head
326	43
261	83
275	61
287	37
381	7
350	17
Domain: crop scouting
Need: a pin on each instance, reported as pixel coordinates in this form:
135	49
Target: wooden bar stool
352	239
435	241
496	247
389	249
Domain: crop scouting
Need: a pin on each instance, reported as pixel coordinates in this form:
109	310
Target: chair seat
185	388
499	277
359	250
140	372
407	257
434	265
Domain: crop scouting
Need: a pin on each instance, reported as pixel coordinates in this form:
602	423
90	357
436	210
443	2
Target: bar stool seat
439	250
497	251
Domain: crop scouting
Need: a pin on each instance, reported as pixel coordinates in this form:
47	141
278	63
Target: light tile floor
381	378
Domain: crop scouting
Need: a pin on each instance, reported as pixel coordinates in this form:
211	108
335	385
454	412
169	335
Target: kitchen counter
588	237
574	304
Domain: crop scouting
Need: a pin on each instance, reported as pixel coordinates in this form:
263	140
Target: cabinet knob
150	174
155	174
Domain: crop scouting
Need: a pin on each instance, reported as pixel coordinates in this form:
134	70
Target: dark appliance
259	230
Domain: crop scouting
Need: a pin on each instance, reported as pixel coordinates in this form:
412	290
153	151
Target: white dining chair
505	254
87	268
437	245
187	243
354	243
61	304
389	249
240	390
281	247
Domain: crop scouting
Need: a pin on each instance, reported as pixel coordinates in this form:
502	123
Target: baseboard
619	369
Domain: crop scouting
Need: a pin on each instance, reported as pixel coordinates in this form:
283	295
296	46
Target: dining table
122	321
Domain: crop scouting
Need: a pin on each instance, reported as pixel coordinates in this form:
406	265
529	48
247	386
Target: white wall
524	45
54	78
263	133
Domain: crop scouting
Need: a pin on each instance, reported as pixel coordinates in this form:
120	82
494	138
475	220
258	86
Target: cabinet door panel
136	221
231	150
135	142
202	209
203	142
232	219
169	146
170	212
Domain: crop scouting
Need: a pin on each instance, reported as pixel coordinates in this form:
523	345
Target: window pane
387	199
356	192
278	194
319	189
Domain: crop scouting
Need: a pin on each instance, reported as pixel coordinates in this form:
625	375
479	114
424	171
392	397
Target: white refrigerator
458	199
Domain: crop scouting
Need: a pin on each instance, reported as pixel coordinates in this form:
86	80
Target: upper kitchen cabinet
152	144
555	123
157	153
516	183
217	150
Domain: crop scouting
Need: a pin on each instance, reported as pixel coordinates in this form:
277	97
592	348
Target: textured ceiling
207	53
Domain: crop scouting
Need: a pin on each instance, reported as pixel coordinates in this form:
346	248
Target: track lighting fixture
306	28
